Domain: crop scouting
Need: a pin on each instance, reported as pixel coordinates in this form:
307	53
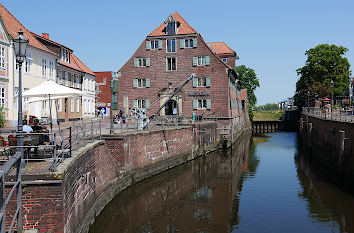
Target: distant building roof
183	27
221	48
12	26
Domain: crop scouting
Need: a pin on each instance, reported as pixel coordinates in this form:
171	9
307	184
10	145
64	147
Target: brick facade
220	93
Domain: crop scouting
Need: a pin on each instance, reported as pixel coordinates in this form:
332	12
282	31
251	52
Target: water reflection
201	196
255	187
327	203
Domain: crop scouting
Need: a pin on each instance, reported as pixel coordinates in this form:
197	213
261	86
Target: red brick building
167	57
104	92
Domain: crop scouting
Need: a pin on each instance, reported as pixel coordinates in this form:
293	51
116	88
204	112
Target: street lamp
111	84
332	85
20	44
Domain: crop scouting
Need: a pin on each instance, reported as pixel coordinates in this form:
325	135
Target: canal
264	184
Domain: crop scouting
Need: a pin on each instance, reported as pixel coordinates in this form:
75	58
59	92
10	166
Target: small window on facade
28	63
60	105
2	57
72	104
44	67
66	78
154	44
224	60
72	80
171	46
77	105
44	105
2	96
171	28
51	69
171	63
202	104
201	61
188	43
202	82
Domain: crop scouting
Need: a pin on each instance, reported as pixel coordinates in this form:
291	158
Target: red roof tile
82	65
51	41
220	48
12	26
183	29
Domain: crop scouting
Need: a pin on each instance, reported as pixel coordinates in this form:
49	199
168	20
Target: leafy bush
2	117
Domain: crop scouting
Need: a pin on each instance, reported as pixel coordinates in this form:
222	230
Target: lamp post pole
111	84
332	85
20	44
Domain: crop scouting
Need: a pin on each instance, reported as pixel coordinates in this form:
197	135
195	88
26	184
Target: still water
264	184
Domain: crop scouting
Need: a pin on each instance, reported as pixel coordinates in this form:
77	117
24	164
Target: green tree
249	81
324	63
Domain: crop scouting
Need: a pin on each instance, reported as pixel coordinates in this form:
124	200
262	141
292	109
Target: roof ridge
52	41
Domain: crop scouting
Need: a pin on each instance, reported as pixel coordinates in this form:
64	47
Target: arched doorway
171	108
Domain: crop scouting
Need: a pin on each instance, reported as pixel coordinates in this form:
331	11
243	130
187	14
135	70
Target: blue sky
270	36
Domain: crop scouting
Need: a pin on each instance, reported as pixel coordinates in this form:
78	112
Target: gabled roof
82	66
51	41
183	27
221	48
12	26
72	64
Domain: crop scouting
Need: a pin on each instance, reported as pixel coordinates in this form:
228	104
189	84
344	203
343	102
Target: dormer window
65	55
171	28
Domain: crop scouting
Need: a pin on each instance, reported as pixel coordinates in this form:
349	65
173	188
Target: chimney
45	35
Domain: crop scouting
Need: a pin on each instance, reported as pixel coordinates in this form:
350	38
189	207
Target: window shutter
207	60
195	61
207	82
147	103
195	43
195	104
135	103
135	83
147	82
195	82
181	43
135	62
148	45
160	44
208	104
147	61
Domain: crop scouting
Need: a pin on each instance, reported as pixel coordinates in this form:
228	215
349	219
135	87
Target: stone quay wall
69	199
331	143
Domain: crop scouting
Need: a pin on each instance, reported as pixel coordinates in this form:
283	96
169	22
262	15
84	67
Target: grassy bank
268	115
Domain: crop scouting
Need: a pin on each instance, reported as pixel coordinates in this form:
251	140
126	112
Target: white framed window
66	78
171	46
84	106
60	105
201	104
171	63
3	57
44	67
72	80
44	105
72	104
2	96
201	82
28	63
188	43
224	60
141	83
60	77
201	61
141	103
154	44
65	55
77	104
141	62
51	68
171	28
77	81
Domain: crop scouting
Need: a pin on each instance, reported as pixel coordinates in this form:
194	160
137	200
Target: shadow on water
255	187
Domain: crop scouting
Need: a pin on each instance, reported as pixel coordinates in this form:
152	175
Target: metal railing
337	114
4	201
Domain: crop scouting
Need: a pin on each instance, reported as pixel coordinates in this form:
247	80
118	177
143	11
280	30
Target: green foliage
267	107
324	63
268	115
2	117
250	82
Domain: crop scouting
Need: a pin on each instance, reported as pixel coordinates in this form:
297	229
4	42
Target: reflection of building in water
196	197
319	193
